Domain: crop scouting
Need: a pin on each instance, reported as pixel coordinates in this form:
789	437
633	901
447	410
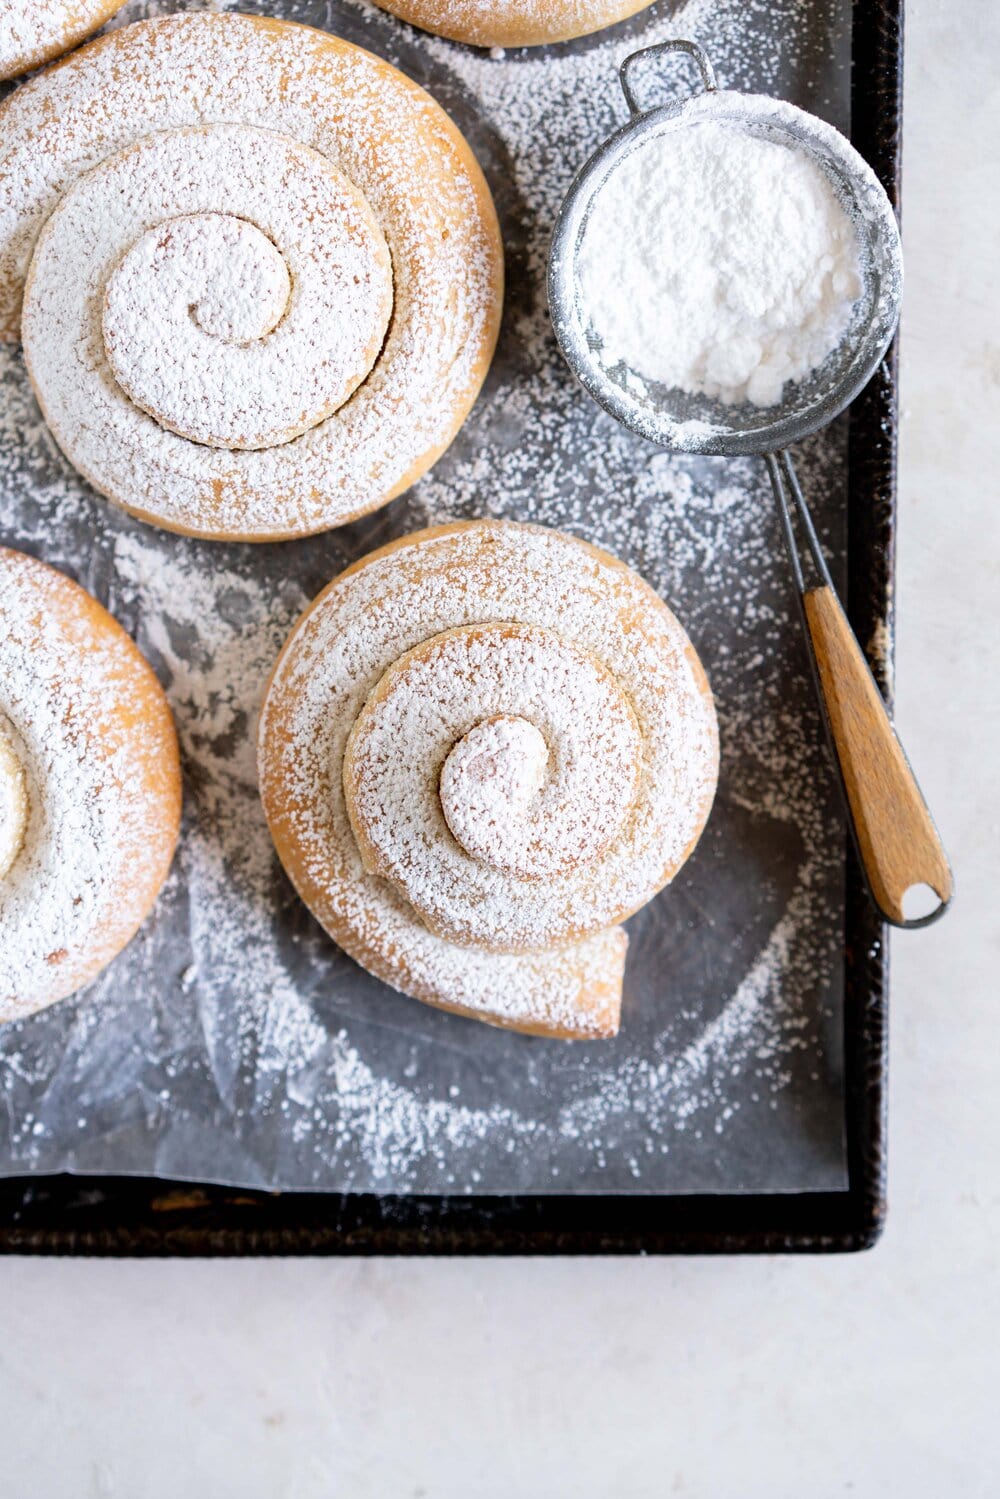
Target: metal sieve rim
840	163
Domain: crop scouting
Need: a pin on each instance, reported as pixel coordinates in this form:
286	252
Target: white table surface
631	1379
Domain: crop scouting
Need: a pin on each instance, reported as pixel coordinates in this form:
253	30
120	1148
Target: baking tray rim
151	1216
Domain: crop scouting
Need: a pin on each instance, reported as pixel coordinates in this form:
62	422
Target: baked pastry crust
512	23
109	123
334	805
88	732
33	32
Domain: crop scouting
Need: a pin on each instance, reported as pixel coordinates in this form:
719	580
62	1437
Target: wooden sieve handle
896	838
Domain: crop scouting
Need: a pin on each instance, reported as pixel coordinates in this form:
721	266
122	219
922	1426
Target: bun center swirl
489	785
522	761
13	804
255	297
218	269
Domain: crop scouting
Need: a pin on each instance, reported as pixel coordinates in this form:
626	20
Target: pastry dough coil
13	801
90	787
35	31
482	747
243	316
512	23
261	272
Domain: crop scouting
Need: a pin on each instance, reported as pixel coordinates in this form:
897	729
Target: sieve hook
894	833
660	49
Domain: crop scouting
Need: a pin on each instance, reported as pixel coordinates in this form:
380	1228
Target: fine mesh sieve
896	839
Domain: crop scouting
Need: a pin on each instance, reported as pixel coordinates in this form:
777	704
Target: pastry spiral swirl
89	787
252	363
482	747
35	31
512	23
261	272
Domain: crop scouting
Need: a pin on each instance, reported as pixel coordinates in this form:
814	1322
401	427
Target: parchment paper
233	1042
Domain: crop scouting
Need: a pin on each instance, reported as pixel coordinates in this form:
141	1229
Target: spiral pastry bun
36	31
482	747
512	23
261	272
90	788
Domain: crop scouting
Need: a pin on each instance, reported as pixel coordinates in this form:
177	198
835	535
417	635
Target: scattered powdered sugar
233	1039
718	263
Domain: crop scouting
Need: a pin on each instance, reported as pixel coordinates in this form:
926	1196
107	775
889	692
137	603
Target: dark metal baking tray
145	1216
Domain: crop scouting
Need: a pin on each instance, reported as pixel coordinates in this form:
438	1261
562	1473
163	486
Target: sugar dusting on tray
255	1053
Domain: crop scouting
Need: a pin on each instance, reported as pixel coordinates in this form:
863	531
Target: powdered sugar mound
718	263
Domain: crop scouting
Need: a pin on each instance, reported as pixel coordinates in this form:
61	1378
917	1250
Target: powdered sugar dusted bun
512	23
271	305
481	747
13	800
519	769
268	284
35	31
90	787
